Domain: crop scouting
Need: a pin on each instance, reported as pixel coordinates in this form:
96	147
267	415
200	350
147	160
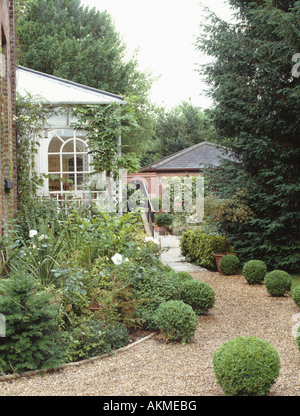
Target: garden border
28	374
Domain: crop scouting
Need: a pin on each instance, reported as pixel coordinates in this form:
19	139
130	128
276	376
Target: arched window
68	161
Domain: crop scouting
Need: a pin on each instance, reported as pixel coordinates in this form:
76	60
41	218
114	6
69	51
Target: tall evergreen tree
257	102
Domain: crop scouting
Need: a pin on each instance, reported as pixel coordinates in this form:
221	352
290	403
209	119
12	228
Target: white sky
164	32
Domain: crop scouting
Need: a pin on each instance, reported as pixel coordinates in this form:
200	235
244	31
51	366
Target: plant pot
218	257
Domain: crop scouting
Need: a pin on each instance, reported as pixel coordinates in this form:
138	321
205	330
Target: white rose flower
117	259
32	233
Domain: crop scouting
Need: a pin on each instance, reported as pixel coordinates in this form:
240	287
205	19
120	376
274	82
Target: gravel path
152	368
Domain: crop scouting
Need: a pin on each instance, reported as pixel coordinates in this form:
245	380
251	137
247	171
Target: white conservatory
63	152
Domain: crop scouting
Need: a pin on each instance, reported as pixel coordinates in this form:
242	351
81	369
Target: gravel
154	368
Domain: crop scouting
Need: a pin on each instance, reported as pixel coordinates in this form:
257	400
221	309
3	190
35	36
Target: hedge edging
28	374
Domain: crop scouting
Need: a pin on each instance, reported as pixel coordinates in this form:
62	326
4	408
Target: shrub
199	247
296	295
246	366
32	338
278	282
176	320
199	295
92	337
183	276
153	287
254	271
229	264
298	337
164	220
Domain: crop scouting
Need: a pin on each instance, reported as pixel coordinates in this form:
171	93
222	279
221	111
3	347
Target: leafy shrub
246	366
92	337
176	320
199	295
229	264
151	288
183	276
278	282
298	337
254	271
32	339
296	295
199	247
164	220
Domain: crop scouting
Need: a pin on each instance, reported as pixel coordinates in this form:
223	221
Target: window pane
80	146
55	145
54	183
68	182
82	181
82	163
53	163
69	147
68	163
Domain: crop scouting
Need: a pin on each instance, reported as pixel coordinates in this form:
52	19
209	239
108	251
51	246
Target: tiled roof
194	157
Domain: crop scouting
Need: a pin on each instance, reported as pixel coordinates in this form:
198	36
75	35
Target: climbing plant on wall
30	120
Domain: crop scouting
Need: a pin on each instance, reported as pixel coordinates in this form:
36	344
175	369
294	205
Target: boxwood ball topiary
246	366
229	264
296	295
176	320
254	271
199	295
278	282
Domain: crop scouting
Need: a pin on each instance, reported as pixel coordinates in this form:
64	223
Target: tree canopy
257	103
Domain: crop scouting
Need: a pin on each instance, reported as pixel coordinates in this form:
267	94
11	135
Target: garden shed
63	152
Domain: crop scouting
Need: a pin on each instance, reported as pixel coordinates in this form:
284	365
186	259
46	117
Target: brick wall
8	159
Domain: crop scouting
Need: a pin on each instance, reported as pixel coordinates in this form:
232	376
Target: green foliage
103	125
153	286
30	121
296	295
199	247
229	210
176	320
246	366
91	337
199	295
254	271
183	276
278	282
32	339
165	220
178	128
229	264
298	337
257	103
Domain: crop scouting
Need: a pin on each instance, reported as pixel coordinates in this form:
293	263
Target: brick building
8	159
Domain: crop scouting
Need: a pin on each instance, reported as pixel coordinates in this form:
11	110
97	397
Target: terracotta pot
218	257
